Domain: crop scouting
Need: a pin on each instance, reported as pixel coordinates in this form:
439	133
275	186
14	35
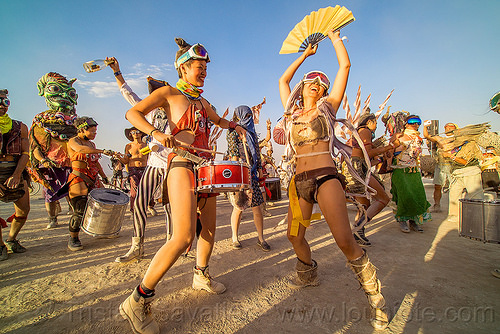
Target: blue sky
440	57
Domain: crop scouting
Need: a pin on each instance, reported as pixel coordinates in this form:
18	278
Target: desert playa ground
434	282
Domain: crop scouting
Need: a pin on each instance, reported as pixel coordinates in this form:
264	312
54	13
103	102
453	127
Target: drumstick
245	149
198	149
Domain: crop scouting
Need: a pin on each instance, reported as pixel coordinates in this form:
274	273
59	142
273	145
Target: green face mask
58	92
60	95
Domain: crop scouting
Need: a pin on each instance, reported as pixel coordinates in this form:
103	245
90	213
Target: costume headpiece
52	76
363	119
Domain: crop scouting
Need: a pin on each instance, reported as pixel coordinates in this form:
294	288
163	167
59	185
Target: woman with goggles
189	115
307	131
407	188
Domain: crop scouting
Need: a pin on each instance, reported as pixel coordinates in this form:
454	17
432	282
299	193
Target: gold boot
366	274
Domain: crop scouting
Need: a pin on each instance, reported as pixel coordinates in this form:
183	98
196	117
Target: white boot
135	252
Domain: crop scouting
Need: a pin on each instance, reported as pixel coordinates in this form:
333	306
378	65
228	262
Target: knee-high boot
366	274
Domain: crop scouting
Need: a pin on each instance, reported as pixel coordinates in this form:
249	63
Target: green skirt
408	193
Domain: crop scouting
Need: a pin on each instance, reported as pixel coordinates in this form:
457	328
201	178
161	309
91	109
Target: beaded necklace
54	118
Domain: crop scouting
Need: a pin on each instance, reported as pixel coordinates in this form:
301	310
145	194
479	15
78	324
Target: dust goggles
197	51
87	124
5	101
414	120
318	76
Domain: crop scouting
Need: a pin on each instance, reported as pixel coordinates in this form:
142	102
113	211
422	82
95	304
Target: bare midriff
137	162
322	159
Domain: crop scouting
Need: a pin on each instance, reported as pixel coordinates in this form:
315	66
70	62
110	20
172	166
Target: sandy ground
434	282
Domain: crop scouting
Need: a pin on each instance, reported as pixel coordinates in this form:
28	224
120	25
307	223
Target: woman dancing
188	113
366	129
307	130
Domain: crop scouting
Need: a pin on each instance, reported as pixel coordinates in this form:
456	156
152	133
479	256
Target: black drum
480	219
274	185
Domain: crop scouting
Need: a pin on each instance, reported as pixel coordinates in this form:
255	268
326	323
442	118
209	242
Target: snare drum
104	212
222	176
274	185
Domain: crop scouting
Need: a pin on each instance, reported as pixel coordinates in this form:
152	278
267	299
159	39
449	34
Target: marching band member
189	114
84	175
236	146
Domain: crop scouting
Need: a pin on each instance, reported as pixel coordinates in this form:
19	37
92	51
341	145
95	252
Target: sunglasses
414	120
197	51
5	101
135	132
317	76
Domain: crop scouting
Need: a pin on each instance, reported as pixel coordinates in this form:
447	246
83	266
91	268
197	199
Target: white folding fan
314	28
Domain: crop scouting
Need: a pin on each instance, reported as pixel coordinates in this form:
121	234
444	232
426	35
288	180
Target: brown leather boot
307	275
366	274
137	310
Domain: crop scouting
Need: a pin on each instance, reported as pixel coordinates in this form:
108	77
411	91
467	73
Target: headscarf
245	119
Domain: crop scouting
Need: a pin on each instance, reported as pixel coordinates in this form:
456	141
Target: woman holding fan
307	131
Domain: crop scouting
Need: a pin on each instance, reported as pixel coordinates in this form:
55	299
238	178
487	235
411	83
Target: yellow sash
296	211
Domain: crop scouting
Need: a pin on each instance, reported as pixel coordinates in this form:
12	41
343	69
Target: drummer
189	114
83	178
236	150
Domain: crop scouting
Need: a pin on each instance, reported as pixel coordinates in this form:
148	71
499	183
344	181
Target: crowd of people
169	138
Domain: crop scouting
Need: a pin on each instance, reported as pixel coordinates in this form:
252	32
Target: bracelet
117	73
340	39
151	133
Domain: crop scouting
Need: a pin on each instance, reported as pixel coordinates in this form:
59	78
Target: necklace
303	112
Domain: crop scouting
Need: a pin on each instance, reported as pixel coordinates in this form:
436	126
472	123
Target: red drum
222	176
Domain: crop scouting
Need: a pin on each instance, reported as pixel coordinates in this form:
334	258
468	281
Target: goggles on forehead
197	51
5	101
319	76
414	120
87	124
